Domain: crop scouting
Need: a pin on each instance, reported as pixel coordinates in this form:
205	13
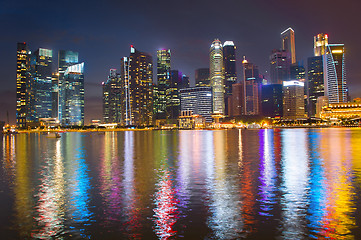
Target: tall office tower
198	100
320	43
184	82
293	100
111	98
288	43
252	88
163	77
22	77
297	71
55	95
280	63
173	100
272	100
230	73
137	85
72	96
315	83
236	106
65	60
40	85
202	77
216	73
335	73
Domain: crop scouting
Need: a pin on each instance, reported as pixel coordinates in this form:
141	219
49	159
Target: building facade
320	43
315	83
202	77
22	78
280	62
198	100
216	73
111	98
288	43
335	73
40	85
230	72
293	100
72	96
137	88
163	82
272	100
252	88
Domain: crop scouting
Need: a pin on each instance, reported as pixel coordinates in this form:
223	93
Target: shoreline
175	129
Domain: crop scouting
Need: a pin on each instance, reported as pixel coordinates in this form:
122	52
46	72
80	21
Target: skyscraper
202	77
184	82
272	100
288	43
22	77
280	63
293	100
252	88
236	106
229	59
137	87
163	77
198	100
320	43
65	60
111	98
72	96
335	73
173	100
216	72
315	83
40	90
230	73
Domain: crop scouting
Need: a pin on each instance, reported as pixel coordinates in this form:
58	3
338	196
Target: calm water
254	184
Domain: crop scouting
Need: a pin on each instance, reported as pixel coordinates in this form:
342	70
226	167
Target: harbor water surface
220	184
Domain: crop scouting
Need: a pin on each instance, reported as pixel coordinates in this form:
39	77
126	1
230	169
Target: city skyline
103	51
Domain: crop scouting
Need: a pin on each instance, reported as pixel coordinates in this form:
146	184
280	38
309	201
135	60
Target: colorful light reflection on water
259	184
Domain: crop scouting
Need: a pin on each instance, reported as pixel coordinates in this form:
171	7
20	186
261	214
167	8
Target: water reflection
254	184
51	197
337	219
268	173
295	172
78	185
225	218
110	179
166	210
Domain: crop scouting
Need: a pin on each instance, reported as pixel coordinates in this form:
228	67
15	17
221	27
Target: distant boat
53	135
253	126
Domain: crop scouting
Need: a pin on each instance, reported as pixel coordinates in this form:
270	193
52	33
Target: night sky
102	32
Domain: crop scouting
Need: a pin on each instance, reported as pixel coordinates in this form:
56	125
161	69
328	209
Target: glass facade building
22	78
198	100
72	96
40	90
111	98
280	63
202	77
335	73
272	100
252	88
163	84
315	83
